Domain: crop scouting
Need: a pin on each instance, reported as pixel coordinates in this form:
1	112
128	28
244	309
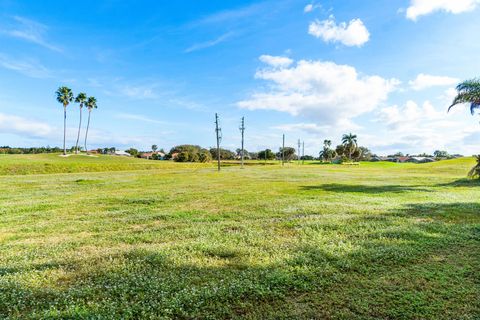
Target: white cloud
138	117
30	31
424	128
210	43
420	8
324	91
22	126
424	81
29	68
352	34
308	8
276	61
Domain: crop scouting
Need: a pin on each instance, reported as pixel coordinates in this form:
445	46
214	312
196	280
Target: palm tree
327	143
91	104
468	92
350	142
64	96
475	172
154	147
81	99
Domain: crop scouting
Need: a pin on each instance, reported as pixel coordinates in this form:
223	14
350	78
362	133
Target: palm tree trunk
86	132
78	134
64	129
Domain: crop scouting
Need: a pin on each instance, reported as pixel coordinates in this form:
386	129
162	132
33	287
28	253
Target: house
121	153
146	155
421	159
153	155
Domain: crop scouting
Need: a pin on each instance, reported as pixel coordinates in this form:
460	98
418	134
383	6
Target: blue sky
384	70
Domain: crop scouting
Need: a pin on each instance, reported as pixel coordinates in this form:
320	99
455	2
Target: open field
129	238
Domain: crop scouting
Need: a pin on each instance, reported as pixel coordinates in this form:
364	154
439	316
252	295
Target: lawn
116	238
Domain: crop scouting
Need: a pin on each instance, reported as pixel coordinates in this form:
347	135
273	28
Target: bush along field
111	238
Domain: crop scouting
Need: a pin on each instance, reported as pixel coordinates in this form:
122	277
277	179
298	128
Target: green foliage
266	154
475	171
64	96
441	154
468	92
288	152
154	147
131	151
188	153
204	156
224	154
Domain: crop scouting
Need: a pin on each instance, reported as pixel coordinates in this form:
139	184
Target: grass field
116	238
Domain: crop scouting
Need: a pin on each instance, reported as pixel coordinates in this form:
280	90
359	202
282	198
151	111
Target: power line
218	132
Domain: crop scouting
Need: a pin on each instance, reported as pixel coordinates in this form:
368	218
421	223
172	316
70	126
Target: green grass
127	239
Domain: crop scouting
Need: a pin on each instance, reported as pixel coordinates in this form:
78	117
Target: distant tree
475	172
204	156
307	157
80	99
398	154
288	152
327	154
350	143
132	152
183	156
253	155
154	147
365	154
91	104
64	96
266	154
468	92
440	154
225	154
188	153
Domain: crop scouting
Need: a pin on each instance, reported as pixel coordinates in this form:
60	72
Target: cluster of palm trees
348	148
65	97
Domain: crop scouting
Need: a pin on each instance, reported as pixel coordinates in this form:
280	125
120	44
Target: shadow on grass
336	187
461	183
382	271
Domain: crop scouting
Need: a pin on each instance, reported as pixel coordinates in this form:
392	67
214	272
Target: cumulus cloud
421	128
324	91
22	126
420	8
276	61
353	33
424	81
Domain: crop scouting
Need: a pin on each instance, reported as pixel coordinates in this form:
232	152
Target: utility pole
218	132
283	150
298	154
242	130
303	152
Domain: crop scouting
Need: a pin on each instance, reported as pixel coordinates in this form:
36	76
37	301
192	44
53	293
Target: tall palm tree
350	142
327	143
64	96
91	104
468	92
81	99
